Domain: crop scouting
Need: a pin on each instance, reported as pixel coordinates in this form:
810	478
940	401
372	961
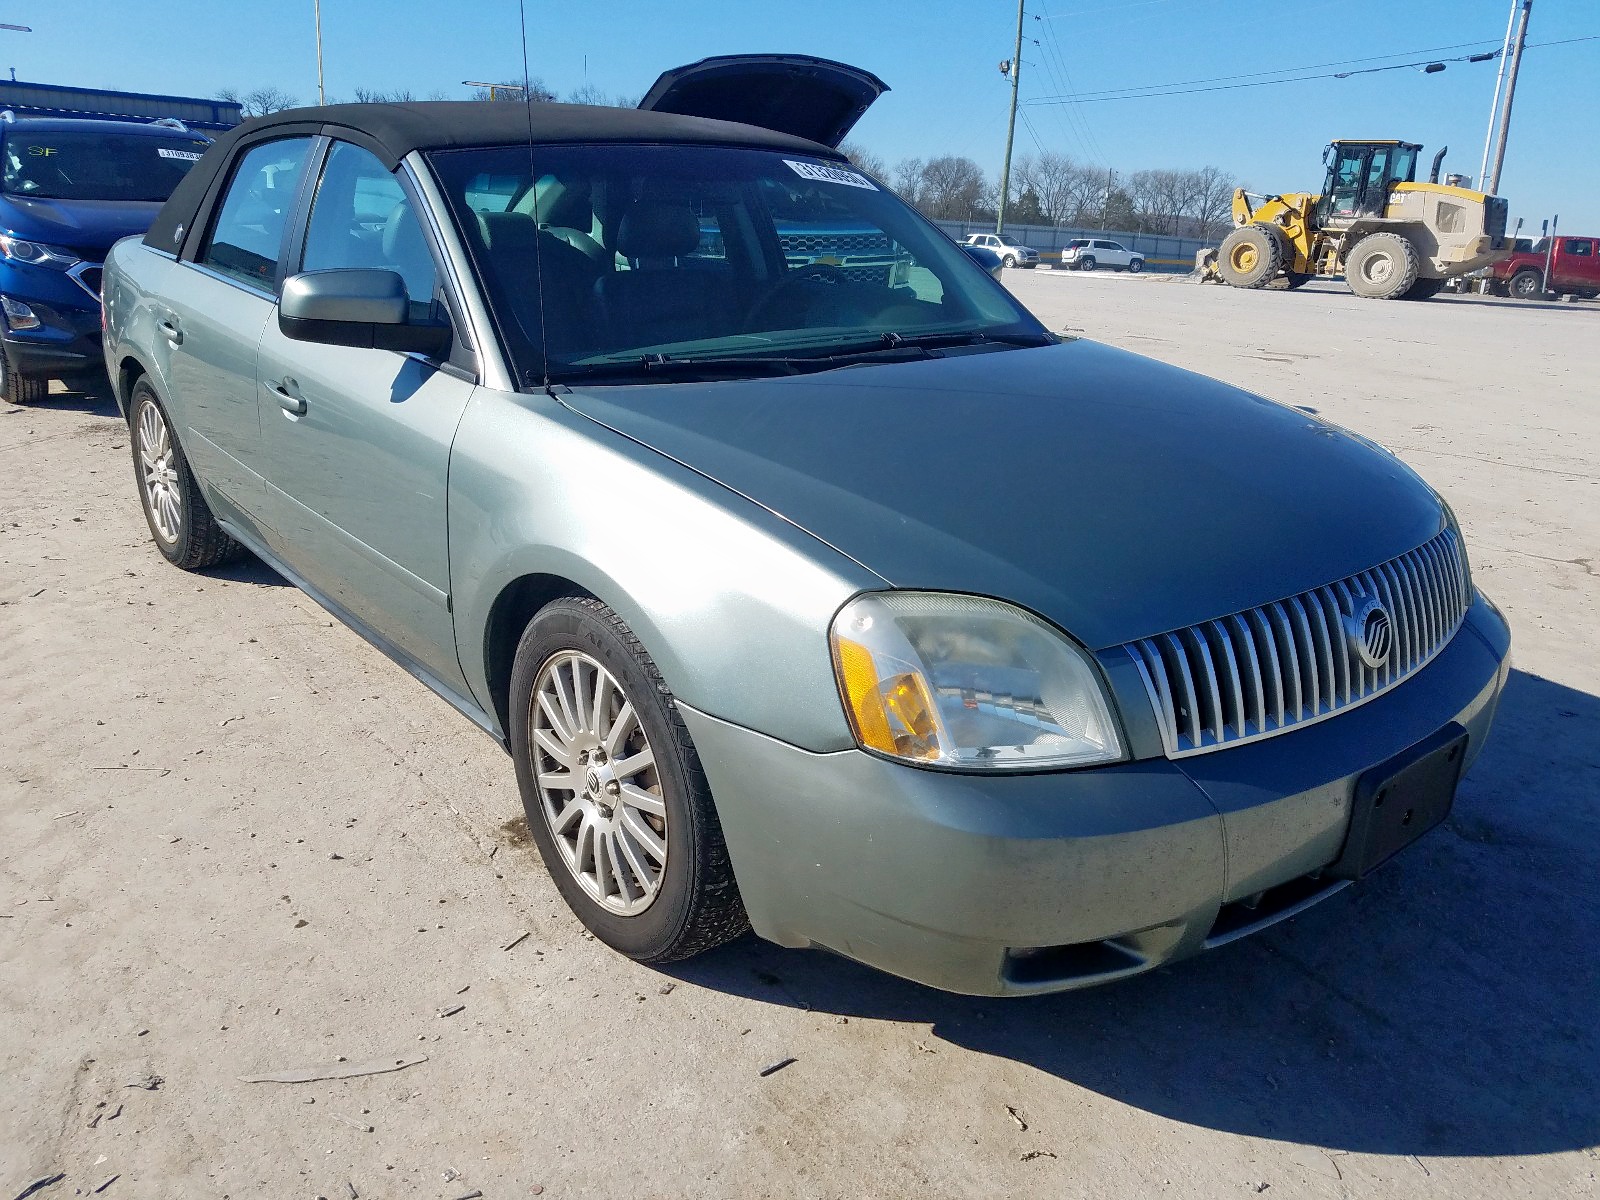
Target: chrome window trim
493	370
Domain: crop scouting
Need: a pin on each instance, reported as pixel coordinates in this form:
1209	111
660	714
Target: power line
1228	87
1344	62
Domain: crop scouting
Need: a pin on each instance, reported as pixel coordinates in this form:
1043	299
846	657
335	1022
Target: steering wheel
822	273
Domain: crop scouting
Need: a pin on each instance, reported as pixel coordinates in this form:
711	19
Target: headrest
566	206
658	231
402	236
508	232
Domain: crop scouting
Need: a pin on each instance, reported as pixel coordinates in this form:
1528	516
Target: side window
1580	247
248	230
361	217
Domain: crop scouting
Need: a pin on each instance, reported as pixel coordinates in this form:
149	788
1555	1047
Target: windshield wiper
653	368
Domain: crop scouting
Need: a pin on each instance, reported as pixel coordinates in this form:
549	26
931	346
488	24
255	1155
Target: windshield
611	254
50	165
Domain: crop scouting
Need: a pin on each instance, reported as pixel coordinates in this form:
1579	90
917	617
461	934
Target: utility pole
1493	182
1111	184
1011	125
1499	83
322	96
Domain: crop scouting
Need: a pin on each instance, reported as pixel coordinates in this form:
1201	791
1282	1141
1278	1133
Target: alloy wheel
599	789
159	473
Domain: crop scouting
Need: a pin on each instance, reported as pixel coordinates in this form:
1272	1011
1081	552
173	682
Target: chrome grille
1299	660
835	243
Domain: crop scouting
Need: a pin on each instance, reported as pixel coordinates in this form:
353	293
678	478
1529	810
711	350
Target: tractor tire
1425	289
1382	266
1251	257
1527	285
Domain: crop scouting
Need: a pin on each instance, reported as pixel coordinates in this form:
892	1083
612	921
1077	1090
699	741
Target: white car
1085	254
1012	252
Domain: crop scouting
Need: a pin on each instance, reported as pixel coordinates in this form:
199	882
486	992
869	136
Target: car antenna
533	186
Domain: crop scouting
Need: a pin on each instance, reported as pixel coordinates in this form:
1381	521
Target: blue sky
940	59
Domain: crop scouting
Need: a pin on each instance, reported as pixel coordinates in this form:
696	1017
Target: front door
358	441
213	319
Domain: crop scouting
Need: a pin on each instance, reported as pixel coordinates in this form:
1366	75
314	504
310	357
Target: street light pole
1011	127
322	96
1499	83
1493	182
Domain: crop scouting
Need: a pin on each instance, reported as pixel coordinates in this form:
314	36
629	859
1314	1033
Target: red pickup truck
1574	267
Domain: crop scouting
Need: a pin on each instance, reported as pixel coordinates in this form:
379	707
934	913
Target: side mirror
986	258
361	307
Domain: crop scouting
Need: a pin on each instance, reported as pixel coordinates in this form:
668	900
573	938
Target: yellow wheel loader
1389	236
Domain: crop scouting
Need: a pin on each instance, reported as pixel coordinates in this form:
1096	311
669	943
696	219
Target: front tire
1382	266
18	388
180	520
1250	257
1008	261
1136	266
1527	285
614	793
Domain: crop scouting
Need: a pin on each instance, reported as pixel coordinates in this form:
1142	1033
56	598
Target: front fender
732	602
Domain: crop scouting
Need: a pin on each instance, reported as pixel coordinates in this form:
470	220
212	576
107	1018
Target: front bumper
1003	885
66	344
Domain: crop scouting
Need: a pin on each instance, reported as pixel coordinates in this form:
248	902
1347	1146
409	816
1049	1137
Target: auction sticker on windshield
830	174
185	155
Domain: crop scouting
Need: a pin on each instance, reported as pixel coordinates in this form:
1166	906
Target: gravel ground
235	840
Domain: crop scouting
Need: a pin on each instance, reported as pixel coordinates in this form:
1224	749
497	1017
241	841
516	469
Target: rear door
213	315
357	441
812	98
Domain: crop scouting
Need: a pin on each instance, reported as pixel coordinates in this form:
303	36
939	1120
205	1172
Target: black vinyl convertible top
393	131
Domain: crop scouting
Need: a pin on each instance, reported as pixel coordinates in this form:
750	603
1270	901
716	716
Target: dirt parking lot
234	840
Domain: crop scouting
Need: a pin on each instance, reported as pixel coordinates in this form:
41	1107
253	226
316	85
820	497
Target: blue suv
68	190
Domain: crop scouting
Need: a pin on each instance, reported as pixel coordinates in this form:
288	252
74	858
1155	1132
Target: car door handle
170	330
289	397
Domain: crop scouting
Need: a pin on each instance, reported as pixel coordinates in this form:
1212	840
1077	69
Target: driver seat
661	299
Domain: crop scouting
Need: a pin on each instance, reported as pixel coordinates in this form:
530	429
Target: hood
1113	495
82	225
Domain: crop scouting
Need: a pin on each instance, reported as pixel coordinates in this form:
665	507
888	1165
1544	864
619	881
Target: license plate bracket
1398	801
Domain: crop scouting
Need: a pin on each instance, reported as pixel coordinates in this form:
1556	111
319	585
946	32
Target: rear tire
180	520
1086	264
20	389
614	793
1527	285
1251	257
1381	266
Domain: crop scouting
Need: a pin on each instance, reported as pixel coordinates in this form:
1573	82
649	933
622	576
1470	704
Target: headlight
967	682
36	254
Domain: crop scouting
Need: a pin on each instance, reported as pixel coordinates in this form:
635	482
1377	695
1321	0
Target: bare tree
1055	181
260	102
372	96
908	180
954	188
592	94
1213	203
865	159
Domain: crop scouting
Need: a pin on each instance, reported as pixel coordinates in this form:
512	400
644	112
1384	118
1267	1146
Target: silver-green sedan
842	602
